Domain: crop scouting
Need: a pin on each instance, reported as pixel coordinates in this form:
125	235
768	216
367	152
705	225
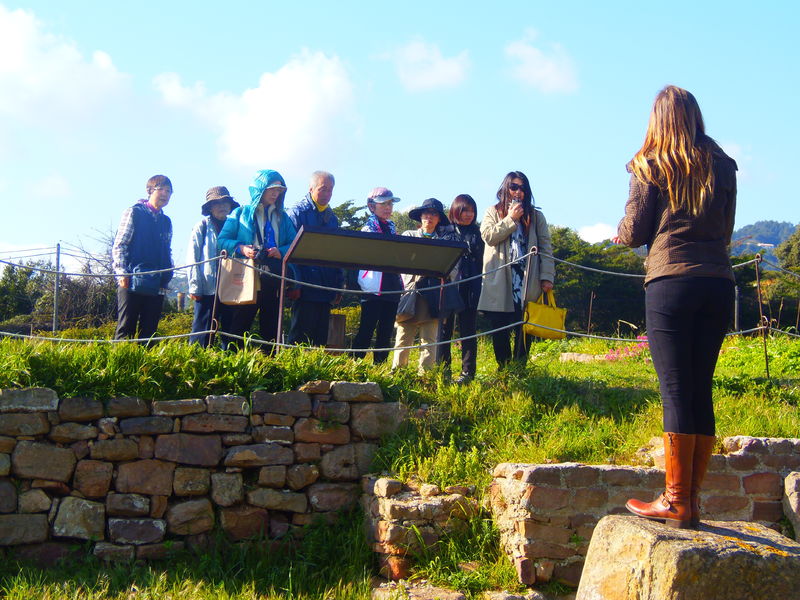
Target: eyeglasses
515	187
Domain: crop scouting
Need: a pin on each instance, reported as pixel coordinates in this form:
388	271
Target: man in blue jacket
143	243
311	311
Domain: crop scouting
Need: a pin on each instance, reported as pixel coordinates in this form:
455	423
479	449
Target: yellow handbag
547	314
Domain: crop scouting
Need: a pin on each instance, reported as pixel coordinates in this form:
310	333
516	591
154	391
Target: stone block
188	449
295	404
5	465
93	478
300	476
543	549
278	525
244	522
108	426
113	552
742	462
57	488
637	558
80	519
127	505
340	464
781	462
317	386
206	423
47	555
178	408
236	439
373	421
28	400
526	570
147	446
594	498
66	433
33	501
16	530
764	485
80	410
278	500
274	476
542	475
386	487
8	496
227	489
145	477
257	455
771	512
722	482
191	481
127	406
81	449
190	517
114	450
160	551
7	444
273	433
276	419
158	506
228	405
541	498
719	506
313	430
533	530
337	412
307	452
136	531
581	476
348	391
326	497
32	460
791	501
24	424
146	425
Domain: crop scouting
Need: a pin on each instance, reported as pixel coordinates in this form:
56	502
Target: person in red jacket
682	205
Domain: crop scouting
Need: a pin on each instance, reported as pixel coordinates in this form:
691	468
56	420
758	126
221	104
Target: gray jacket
202	246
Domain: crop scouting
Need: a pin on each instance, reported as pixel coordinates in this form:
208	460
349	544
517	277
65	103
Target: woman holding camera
511	228
262	231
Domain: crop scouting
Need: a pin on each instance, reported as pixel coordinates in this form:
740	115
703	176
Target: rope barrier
102	340
779	268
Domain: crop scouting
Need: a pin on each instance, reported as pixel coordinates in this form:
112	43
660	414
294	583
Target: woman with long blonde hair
682	205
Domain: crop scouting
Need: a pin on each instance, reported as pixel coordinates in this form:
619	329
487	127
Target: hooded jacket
680	244
203	246
305	213
241	225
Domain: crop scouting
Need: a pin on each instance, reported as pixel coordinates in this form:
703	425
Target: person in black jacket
463	213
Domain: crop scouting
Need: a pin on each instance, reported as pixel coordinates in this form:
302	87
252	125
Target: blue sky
426	98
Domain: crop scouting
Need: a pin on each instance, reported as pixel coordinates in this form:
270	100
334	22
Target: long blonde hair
674	156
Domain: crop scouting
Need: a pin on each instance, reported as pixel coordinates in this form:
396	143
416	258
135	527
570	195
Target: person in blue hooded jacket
263	231
312	310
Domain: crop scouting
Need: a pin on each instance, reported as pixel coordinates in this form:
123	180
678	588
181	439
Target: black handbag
407	308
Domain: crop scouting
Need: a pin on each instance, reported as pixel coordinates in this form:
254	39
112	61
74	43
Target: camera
262	254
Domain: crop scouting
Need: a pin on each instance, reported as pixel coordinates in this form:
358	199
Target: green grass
599	412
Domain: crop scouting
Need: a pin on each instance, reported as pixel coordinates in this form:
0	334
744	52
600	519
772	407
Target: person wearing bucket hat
263	231
511	228
378	309
203	277
142	244
427	317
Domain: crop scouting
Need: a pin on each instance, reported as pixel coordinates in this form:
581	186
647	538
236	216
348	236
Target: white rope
114	275
787	271
101	340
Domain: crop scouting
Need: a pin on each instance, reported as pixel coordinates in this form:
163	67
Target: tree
347	213
789	251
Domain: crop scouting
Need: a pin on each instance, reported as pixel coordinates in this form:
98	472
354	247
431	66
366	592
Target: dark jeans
267	307
467	325
134	310
686	322
310	322
203	309
380	314
501	340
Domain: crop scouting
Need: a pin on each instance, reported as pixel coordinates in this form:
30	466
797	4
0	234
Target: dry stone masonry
139	478
547	513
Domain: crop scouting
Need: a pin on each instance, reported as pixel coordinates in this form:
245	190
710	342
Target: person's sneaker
463	380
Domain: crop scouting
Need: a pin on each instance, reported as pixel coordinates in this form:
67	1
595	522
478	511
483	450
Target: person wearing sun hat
203	277
378	309
261	229
434	224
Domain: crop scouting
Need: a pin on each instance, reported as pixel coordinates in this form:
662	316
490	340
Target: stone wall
139	477
404	520
547	513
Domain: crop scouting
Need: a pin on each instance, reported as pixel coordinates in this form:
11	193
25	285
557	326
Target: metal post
56	287
763	319
736	308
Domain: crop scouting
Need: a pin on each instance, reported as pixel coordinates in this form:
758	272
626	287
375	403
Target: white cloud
597	233
303	113
548	70
45	78
742	157
421	67
51	187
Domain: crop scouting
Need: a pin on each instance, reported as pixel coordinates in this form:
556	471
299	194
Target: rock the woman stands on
426	318
263	231
203	277
463	213
378	309
511	228
682	205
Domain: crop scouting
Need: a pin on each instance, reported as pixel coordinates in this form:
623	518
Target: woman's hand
547	286
274	253
516	211
248	251
195	297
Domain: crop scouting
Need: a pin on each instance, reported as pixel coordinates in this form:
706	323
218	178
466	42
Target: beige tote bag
238	282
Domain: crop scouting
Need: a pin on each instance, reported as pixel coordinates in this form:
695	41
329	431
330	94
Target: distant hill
761	237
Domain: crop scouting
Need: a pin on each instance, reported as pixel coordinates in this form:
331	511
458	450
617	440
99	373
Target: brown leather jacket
678	243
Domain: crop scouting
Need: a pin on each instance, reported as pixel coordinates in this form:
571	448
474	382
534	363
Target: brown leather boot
703	449
674	505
